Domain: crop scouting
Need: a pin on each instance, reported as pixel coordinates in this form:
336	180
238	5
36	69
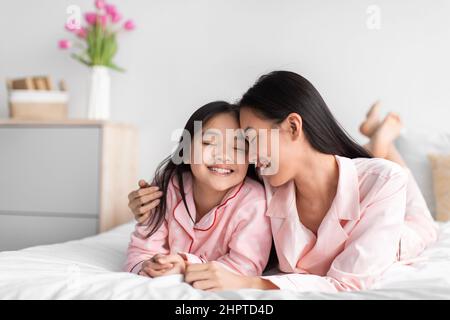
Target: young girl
211	209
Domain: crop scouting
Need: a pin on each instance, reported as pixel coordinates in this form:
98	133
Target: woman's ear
293	124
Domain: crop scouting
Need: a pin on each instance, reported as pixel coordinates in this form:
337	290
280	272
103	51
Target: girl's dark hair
279	93
169	168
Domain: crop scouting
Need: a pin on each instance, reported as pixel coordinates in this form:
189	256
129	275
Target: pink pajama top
235	233
377	218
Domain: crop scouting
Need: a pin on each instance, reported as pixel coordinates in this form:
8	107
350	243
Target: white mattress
91	269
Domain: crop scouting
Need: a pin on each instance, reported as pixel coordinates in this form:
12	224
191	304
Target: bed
90	268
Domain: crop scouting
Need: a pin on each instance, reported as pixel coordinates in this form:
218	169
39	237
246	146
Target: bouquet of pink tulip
97	40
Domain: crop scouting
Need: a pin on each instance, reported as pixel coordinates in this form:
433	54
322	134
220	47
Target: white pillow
414	146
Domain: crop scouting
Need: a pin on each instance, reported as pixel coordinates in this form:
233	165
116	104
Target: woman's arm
143	200
261	283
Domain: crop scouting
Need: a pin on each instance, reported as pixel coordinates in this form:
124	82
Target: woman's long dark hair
279	93
169	168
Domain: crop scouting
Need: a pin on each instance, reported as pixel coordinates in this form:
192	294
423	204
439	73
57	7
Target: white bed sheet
91	269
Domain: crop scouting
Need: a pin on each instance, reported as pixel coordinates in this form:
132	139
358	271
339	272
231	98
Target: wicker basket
37	104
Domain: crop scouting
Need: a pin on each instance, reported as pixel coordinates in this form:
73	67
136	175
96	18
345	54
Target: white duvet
91	269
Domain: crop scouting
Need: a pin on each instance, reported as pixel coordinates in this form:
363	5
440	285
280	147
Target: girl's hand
179	265
143	200
163	265
152	268
212	276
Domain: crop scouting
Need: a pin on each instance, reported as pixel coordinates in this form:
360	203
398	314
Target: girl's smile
220	170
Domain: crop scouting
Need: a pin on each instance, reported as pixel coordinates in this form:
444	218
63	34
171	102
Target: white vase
99	93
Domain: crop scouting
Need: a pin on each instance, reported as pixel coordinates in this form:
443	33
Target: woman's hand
163	265
212	276
143	200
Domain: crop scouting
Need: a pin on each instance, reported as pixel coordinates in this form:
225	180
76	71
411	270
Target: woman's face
219	153
276	155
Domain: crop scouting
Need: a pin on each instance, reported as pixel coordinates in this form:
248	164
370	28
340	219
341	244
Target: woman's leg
382	134
420	229
395	156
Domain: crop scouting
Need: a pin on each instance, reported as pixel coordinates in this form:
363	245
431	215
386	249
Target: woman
339	217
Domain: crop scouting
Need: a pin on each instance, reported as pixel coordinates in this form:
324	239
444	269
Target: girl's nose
224	154
223	158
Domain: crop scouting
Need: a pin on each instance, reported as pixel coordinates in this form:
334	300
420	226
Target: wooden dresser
66	180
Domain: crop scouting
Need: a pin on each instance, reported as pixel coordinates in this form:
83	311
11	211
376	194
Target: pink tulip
116	17
64	44
100	4
91	18
129	25
82	33
103	20
110	9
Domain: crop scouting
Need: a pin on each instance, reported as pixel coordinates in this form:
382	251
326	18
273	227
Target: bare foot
370	125
385	135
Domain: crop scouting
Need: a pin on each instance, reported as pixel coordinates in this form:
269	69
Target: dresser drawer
18	232
50	169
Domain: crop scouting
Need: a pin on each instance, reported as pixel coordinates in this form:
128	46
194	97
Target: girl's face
218	157
277	154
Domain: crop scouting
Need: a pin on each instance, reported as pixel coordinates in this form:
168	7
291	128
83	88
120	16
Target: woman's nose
253	156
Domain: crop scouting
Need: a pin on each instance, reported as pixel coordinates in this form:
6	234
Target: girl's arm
141	248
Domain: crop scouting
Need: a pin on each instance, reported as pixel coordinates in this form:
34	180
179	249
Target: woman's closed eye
250	136
240	149
241	145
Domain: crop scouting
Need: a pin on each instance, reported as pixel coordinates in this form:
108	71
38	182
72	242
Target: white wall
185	53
